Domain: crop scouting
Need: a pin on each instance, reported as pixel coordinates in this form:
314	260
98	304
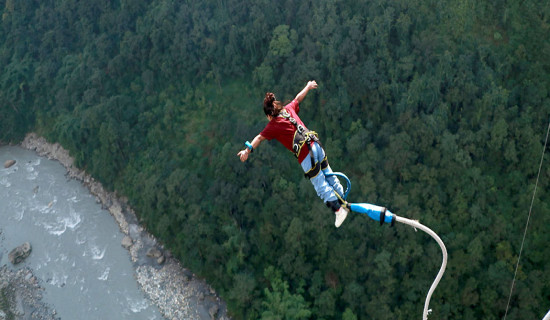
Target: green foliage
436	109
279	303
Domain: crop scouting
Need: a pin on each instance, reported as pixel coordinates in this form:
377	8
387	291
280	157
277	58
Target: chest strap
302	136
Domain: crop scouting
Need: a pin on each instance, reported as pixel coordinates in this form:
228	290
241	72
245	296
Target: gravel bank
21	296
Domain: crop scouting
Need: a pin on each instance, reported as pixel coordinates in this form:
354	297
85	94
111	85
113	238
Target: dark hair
272	107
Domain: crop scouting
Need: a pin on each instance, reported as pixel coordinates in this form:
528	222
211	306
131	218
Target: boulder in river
20	253
9	163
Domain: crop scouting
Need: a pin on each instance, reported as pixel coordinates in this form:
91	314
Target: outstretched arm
302	94
243	154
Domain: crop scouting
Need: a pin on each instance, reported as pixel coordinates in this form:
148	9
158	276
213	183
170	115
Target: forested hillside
436	109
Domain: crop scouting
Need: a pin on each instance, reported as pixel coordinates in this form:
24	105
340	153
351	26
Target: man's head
272	107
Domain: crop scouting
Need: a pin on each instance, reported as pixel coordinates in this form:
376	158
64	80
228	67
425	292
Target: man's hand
243	154
312	84
302	94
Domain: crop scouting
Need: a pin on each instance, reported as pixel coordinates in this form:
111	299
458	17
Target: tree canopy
435	109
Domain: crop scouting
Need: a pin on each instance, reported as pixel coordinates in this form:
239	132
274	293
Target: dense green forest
435	109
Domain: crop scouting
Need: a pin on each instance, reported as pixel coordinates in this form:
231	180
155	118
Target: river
77	255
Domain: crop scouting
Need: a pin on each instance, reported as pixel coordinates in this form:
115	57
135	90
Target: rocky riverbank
174	289
21	296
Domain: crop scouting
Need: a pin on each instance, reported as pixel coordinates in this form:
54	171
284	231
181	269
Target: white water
76	250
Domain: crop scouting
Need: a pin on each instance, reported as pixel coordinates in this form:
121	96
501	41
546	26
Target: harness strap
302	136
316	168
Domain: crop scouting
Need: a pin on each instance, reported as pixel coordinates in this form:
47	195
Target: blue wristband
249	146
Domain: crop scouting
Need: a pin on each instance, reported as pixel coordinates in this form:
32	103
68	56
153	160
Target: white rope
416	224
527	223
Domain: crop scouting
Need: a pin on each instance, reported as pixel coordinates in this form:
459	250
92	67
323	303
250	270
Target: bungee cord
383	215
526	226
416	224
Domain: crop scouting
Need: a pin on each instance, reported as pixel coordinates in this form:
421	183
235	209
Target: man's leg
322	187
326	186
333	181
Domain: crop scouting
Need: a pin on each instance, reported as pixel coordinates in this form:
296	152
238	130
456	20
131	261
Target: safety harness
303	136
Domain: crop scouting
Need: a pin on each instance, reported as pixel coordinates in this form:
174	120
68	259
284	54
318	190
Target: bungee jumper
286	127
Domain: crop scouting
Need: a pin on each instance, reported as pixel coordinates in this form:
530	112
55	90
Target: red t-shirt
281	129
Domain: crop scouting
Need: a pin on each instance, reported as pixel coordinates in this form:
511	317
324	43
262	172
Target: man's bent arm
302	94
